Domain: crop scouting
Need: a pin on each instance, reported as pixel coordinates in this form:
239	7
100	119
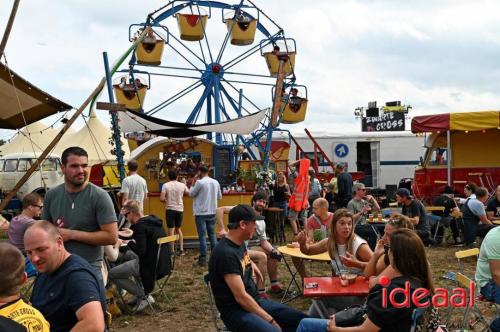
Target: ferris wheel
209	62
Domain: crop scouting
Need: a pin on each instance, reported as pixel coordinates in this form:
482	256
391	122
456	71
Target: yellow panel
154	206
111	176
273	63
467	253
129	98
475	148
294	113
150	56
474	120
463	280
191	27
242	33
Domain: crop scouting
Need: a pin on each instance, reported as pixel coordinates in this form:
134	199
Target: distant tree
2	142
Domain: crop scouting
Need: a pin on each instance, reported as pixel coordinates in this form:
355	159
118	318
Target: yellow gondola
127	95
149	53
295	110
243	32
273	63
191	26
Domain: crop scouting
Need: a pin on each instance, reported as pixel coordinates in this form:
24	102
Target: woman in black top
281	193
407	257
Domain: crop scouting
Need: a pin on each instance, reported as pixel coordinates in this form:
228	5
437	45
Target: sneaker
181	253
141	305
276	289
201	261
151	299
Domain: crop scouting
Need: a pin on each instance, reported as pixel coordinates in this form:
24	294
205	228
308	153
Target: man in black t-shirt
493	208
231	278
450	206
414	209
344	183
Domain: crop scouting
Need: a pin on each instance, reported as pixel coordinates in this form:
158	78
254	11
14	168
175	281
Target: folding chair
218	324
461	255
161	283
465	282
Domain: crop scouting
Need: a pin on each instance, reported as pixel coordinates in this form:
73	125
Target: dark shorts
174	218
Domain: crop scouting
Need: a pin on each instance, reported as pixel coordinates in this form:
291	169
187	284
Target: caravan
384	157
14	166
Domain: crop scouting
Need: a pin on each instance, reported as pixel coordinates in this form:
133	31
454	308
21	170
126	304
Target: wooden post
9	26
49	148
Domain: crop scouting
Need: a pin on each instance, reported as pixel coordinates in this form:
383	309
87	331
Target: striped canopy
456	121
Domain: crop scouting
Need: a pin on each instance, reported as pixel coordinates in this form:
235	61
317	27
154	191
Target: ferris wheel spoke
228	33
196	110
205	35
247	53
243	95
175	97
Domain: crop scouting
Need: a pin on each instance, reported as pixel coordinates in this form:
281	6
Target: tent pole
448	152
49	148
8	28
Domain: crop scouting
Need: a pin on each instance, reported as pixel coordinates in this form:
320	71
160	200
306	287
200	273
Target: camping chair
213	308
465	282
416	318
161	283
461	255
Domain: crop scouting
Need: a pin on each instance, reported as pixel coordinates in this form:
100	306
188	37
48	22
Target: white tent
95	138
33	137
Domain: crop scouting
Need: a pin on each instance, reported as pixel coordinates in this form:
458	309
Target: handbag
352	316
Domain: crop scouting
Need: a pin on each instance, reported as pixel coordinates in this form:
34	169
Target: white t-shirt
341	250
135	186
174	192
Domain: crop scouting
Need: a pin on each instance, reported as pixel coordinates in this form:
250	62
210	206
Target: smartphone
311	285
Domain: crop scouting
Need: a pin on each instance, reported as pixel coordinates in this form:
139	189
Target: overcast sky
437	56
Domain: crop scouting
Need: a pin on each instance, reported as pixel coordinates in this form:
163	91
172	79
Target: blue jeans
491	291
284	206
243	321
313	325
205	224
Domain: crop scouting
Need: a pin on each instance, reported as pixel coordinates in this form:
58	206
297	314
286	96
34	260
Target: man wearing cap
450	208
235	293
415	211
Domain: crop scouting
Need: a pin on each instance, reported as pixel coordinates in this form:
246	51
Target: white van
14	166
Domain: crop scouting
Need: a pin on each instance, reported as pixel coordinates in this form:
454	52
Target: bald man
67	291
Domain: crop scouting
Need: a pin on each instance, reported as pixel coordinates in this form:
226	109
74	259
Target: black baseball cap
242	212
403	192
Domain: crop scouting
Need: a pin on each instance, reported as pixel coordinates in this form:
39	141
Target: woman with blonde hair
379	263
347	252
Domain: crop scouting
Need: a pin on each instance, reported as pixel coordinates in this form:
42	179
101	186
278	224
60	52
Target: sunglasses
39	206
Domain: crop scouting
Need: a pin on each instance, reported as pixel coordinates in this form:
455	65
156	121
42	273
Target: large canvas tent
94	137
466	121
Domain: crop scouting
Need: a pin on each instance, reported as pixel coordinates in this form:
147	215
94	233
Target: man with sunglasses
415	211
360	205
32	208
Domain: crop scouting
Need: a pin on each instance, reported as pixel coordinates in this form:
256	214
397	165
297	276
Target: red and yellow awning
470	121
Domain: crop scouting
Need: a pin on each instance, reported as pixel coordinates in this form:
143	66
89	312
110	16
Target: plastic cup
370	217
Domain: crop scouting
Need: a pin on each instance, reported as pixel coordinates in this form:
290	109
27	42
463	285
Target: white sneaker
151	299
141	305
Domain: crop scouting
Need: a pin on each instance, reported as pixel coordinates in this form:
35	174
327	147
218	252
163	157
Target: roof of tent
22	103
94	137
456	121
34	137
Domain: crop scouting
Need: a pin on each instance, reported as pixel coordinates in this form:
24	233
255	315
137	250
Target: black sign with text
387	121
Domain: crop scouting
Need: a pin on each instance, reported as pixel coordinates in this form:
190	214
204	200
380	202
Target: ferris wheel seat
273	63
295	111
191	26
131	98
243	32
150	53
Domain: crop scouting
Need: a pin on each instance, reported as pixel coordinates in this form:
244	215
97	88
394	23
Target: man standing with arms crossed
83	212
205	193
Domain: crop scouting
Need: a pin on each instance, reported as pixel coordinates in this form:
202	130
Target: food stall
156	156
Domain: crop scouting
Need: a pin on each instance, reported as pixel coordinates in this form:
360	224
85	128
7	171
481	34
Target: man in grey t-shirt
83	212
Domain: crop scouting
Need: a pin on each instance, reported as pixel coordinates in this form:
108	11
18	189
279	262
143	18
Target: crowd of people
76	250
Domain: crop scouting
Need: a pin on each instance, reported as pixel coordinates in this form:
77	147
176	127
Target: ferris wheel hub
213	70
